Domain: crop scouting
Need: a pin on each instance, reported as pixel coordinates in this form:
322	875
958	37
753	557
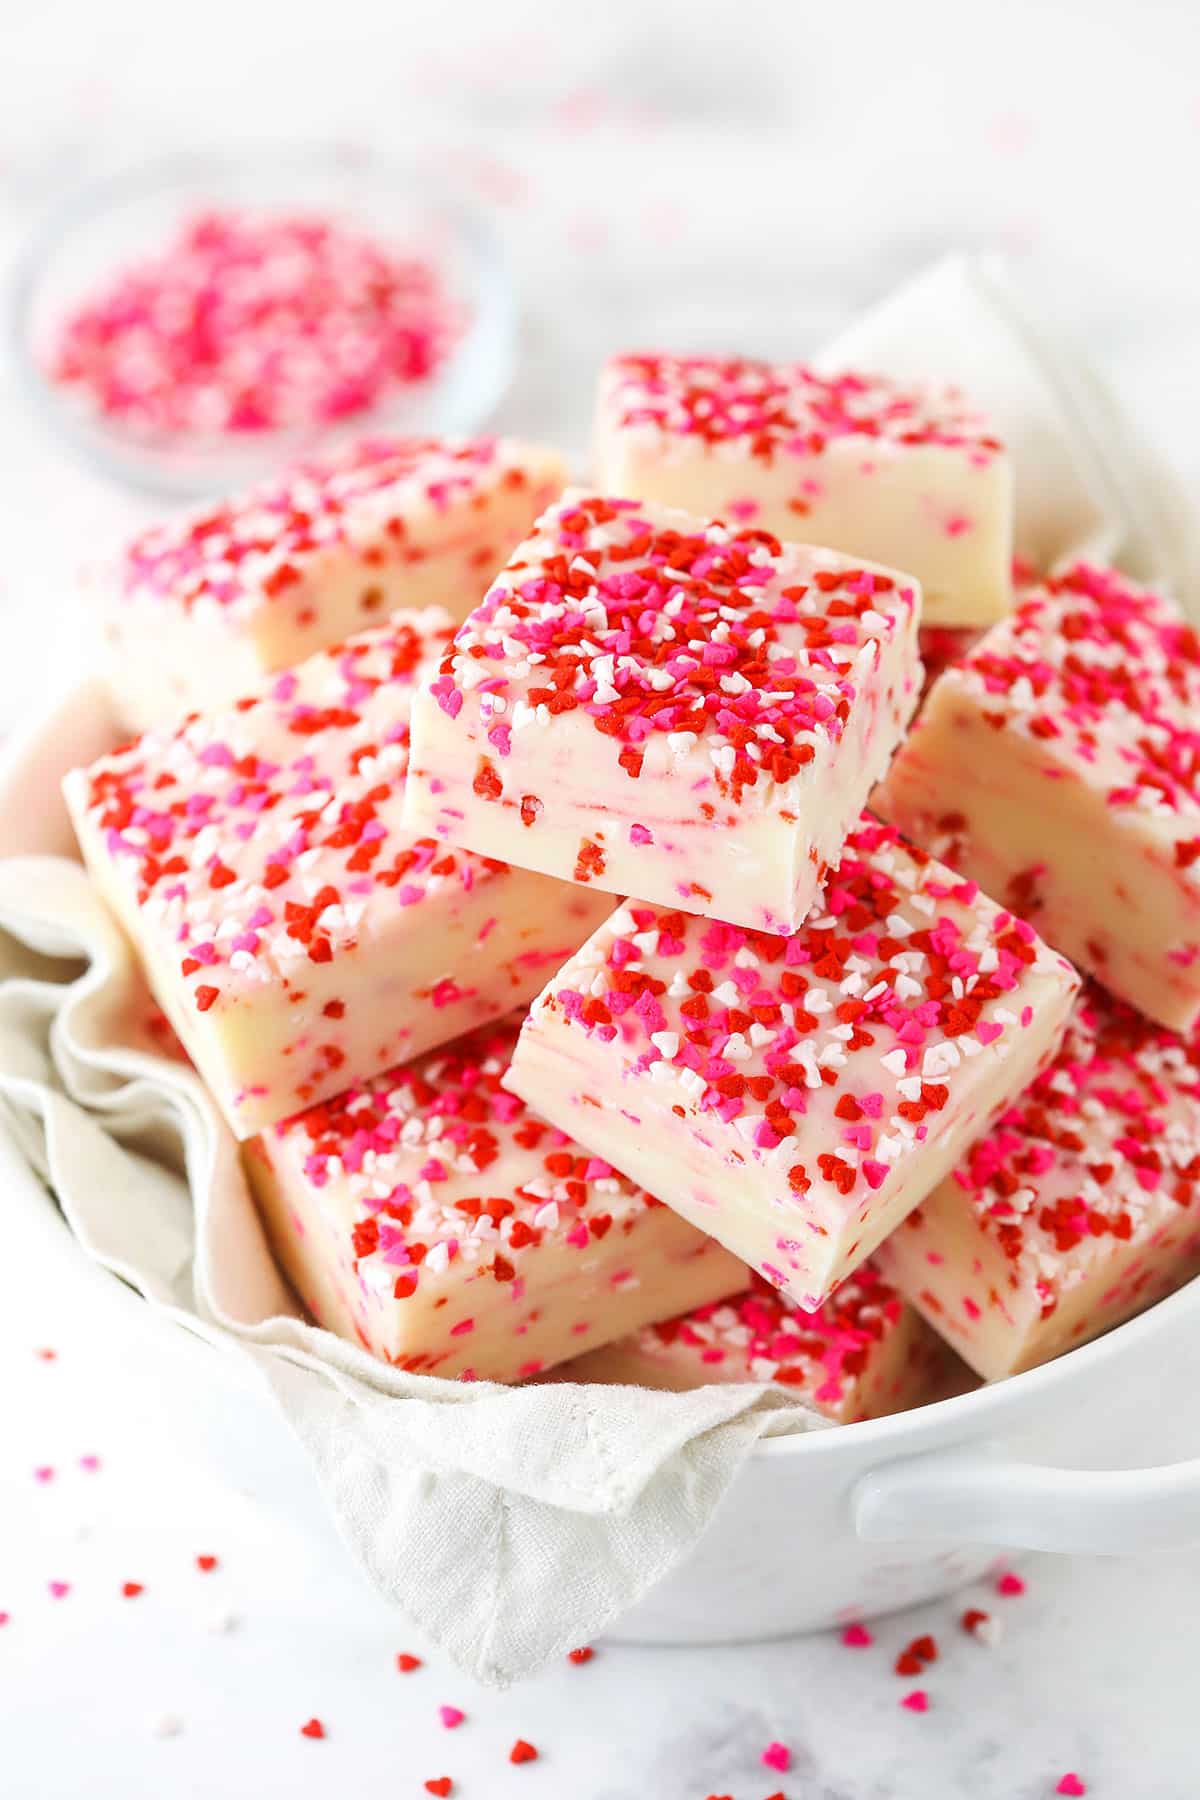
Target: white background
741	176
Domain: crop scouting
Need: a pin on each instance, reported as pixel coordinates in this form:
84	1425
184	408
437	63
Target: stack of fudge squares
604	973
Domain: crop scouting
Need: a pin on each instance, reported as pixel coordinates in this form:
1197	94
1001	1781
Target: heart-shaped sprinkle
131	1589
406	1663
917	1701
522	1752
1010	1584
857	1637
440	1785
206	1564
451	1717
777	1756
582	1655
45	1473
314	1729
90	1463
59	1589
1071	1784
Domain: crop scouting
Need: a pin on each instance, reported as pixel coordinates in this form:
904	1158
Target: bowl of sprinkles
186	325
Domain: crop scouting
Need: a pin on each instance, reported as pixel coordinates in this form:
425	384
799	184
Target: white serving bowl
1078	1456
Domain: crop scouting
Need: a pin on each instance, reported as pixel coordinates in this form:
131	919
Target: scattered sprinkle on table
131	1589
777	1756
206	1564
406	1663
58	1589
440	1785
583	1655
917	1701
1071	1784
1008	1583
313	1729
522	1752
857	1637
451	1717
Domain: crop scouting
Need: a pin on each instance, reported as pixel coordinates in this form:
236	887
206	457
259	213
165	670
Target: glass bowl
112	223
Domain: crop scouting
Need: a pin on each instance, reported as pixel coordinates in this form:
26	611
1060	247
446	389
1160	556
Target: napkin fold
508	1523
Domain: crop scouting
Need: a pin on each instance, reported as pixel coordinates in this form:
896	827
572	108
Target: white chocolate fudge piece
907	475
862	1354
201	608
1058	764
662	707
796	1097
1079	1207
432	1218
295	934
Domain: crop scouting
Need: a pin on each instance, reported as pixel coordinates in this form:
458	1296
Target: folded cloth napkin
509	1524
1087	485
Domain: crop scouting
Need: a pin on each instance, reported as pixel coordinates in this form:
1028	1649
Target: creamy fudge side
796	1097
654	705
295	934
906	475
199	609
862	1354
433	1218
1079	1207
1058	764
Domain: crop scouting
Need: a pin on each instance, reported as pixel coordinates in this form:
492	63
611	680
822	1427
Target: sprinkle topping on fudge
764	1334
1114	1120
894	982
760	408
1106	675
244	551
260	837
412	1138
728	638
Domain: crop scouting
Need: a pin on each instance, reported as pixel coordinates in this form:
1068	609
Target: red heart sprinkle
522	1752
406	1663
583	1655
857	1637
206	1563
1071	1784
131	1589
314	1729
907	1664
440	1785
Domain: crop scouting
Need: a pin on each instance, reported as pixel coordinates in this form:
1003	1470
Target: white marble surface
673	173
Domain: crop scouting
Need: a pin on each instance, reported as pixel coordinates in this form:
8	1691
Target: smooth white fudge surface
200	608
657	706
296	935
796	1097
1058	764
1078	1208
906	475
862	1354
435	1219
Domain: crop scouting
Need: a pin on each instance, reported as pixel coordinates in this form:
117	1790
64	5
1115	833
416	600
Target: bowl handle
979	1494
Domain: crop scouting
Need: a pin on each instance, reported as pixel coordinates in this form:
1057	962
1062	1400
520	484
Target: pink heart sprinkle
450	1716
857	1637
45	1473
59	1589
90	1463
1071	1784
917	1701
4	1618
1010	1584
777	1756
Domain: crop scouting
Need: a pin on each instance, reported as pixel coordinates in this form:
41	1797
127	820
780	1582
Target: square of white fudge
434	1219
197	610
911	476
654	705
865	1353
296	935
797	1096
1077	1209
1058	764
